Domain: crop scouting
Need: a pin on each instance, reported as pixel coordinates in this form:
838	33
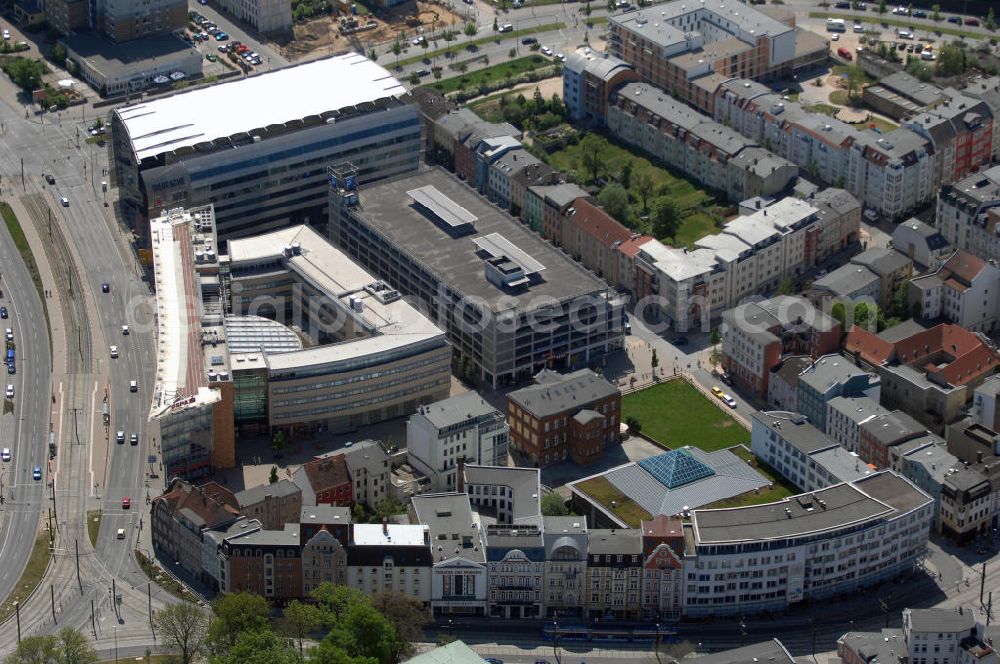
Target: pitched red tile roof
957	355
326	473
598	224
872	349
212	502
960	270
631	248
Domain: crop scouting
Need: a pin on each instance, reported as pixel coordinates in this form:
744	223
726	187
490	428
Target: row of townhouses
487	550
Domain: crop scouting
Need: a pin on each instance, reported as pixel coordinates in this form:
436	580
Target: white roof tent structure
195	119
449	212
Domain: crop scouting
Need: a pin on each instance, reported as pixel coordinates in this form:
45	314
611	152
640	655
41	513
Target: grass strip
901	23
162	579
93	526
524	32
21	242
33	573
492	74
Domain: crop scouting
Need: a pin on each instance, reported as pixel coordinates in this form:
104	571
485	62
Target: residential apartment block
463	427
968	214
564	416
709	152
756	336
753	254
950	636
844	417
892	173
273	505
264	16
875	273
687	49
961	131
391	557
923	244
804	455
885	431
930	373
589	77
827	378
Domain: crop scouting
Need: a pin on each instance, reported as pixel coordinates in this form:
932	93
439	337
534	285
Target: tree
626	174
273	479
360	631
332	601
614	199
634	425
75	648
26	74
184	627
389	507
855	80
408	617
301	619
655	361
586	9
236	613
786	287
936	12
714	337
34	650
470	29
644	186
372	55
951	60
666	217
512	53
278	442
918	69
991	20
881	7
900	302
593	148
258	647
496	25
397	48
611	5
59	54
554	505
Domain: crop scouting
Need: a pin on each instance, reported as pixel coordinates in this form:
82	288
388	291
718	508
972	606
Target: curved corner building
813	545
367	354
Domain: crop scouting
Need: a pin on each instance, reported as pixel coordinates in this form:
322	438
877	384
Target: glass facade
250	396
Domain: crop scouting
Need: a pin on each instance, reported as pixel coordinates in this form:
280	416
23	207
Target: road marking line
90	455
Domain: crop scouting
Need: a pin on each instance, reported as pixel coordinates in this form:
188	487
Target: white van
120	534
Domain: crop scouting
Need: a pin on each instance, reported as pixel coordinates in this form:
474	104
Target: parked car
835	37
49	178
955	19
729	401
64	201
717	391
9	393
679	341
5	454
527	41
919	13
972	21
546	50
3	312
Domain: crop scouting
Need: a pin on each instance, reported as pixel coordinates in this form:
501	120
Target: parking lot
218	46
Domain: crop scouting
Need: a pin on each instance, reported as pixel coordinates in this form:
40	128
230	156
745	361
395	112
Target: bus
836	25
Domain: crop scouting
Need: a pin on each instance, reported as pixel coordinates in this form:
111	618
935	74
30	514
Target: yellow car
717	392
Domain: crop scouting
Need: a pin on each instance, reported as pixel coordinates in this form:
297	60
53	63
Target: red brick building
267	562
883	432
325	481
564	416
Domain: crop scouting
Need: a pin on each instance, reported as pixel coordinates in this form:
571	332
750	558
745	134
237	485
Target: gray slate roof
555	393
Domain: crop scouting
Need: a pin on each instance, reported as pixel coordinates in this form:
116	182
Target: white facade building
264	16
390	557
441	434
828	542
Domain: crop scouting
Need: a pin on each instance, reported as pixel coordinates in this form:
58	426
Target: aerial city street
523	331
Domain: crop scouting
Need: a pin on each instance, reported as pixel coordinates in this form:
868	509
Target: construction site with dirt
351	26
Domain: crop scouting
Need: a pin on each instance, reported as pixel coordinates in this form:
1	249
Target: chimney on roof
385	526
979	456
460	475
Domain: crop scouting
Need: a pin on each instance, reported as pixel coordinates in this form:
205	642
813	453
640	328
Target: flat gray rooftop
387	208
845	505
113	59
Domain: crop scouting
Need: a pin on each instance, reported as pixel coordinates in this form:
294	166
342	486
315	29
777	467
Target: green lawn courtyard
676	414
696	223
500	72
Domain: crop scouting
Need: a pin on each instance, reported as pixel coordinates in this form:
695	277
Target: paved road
91	249
25	429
